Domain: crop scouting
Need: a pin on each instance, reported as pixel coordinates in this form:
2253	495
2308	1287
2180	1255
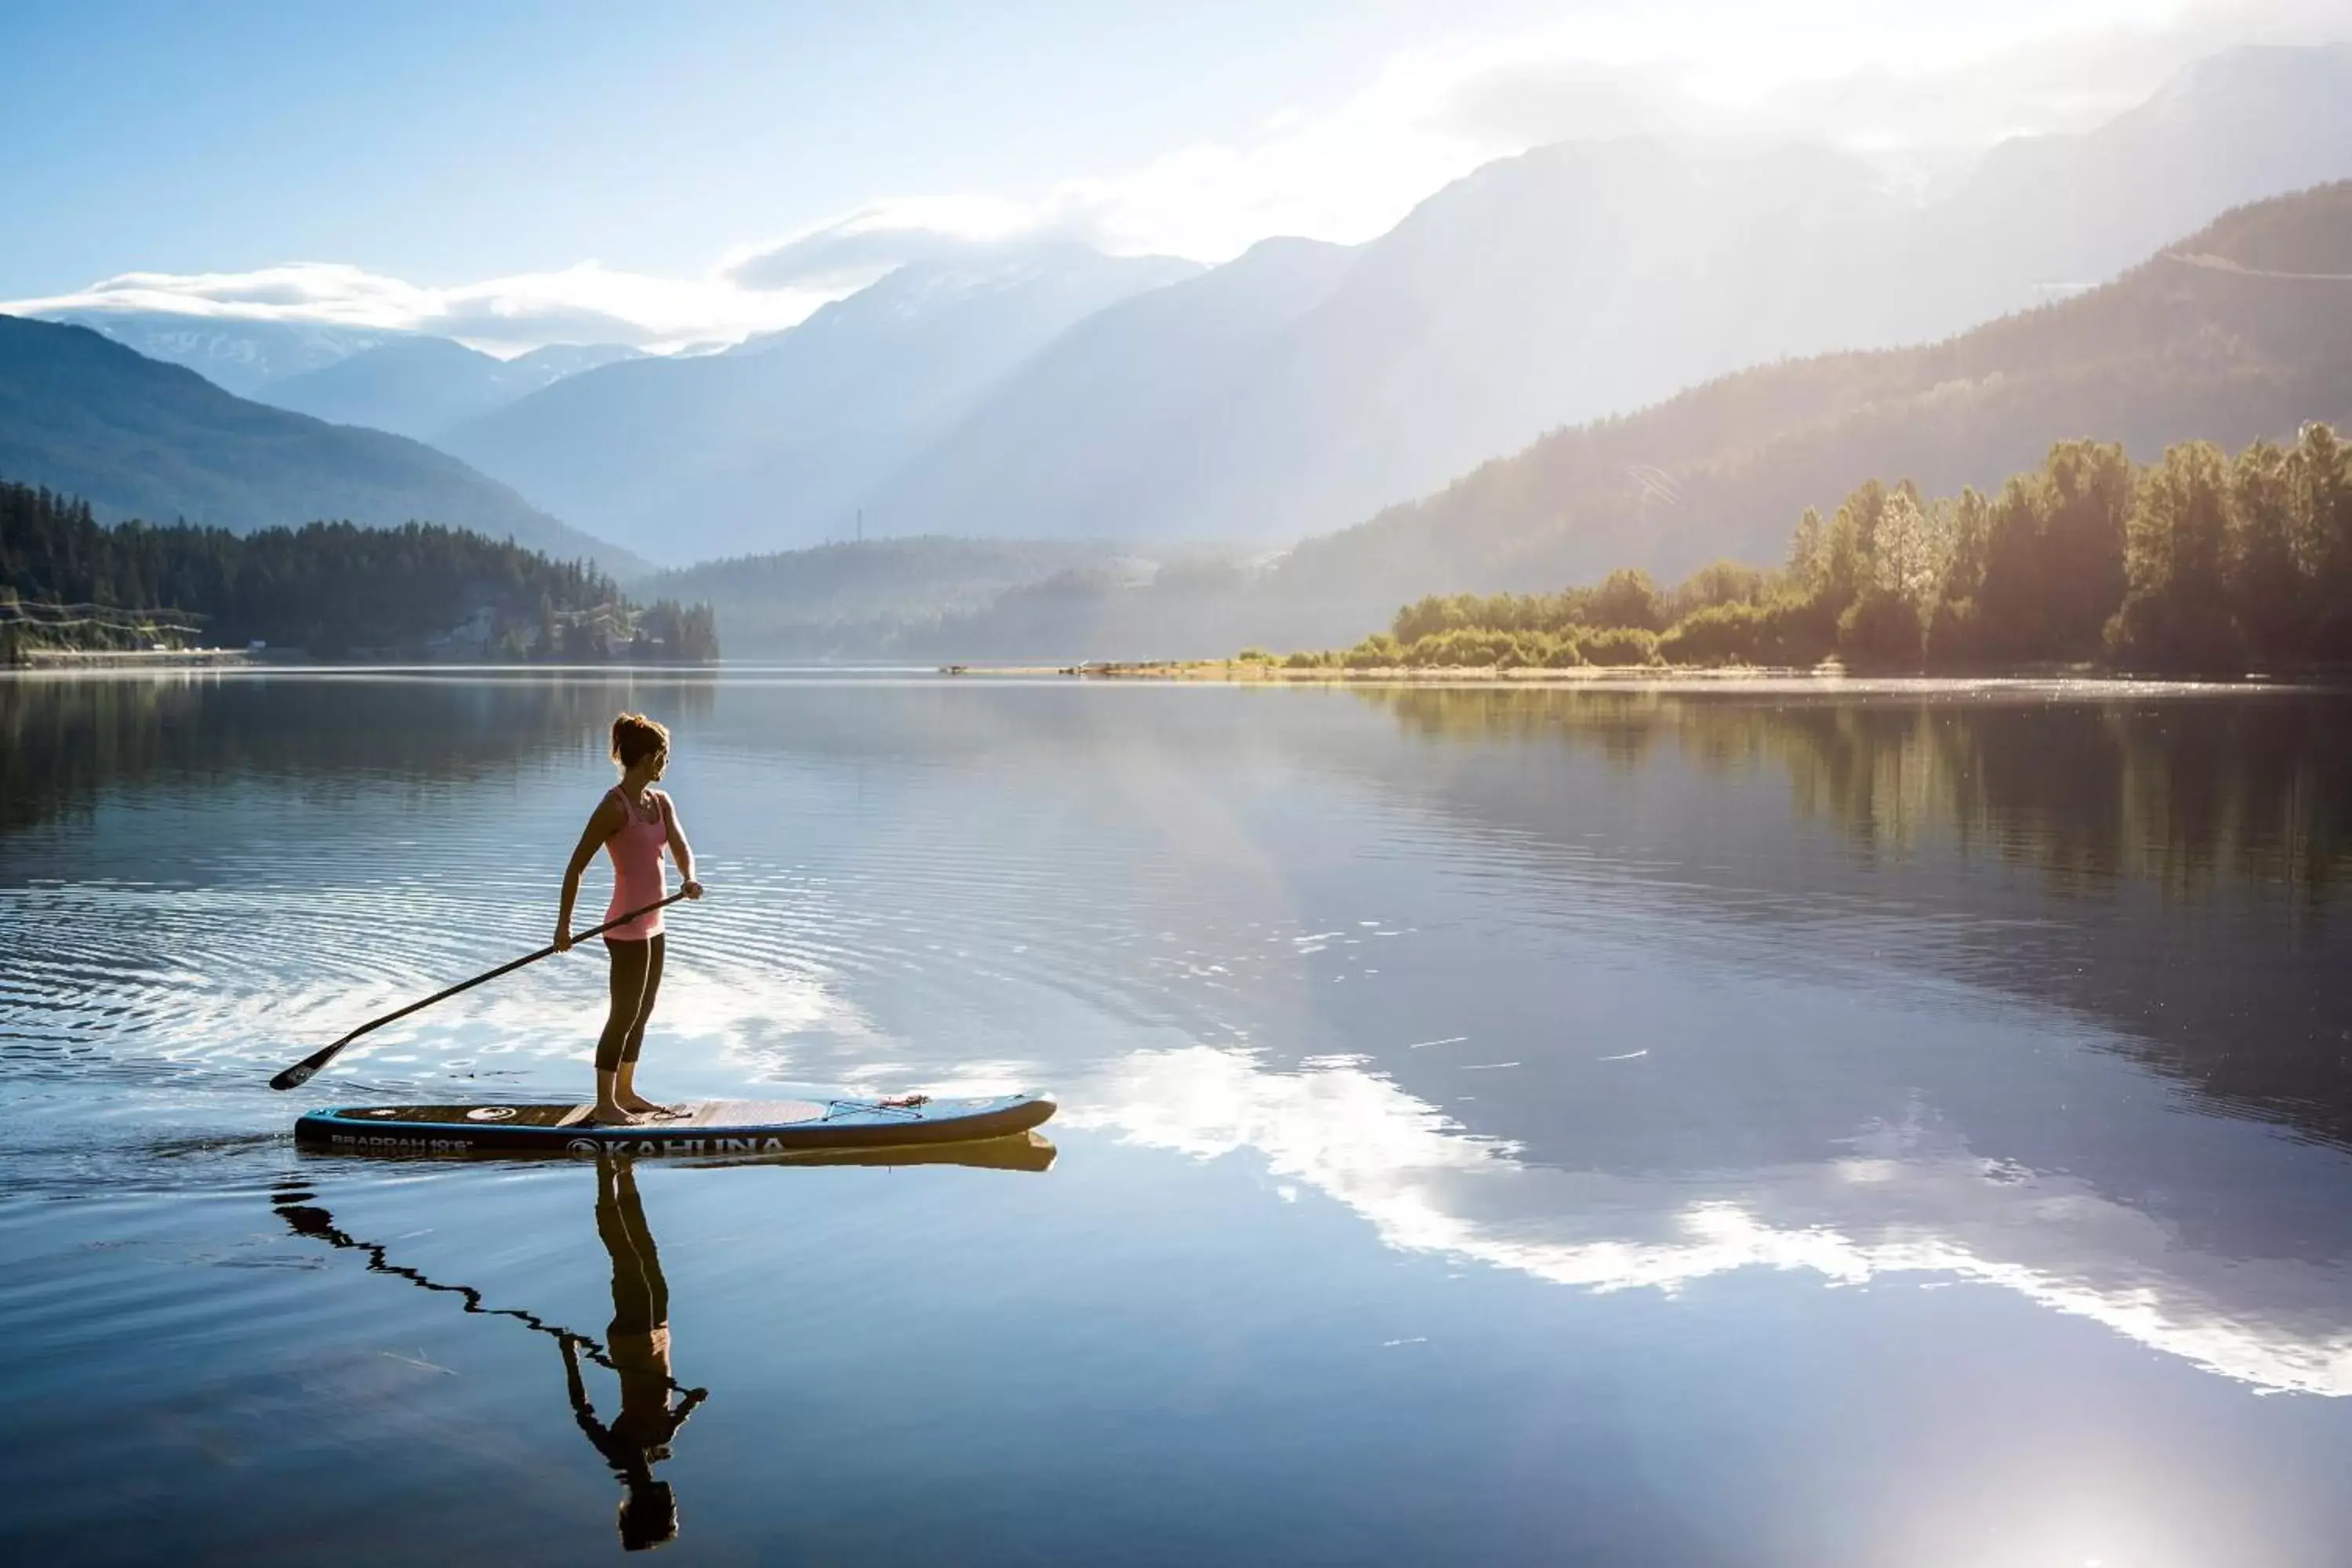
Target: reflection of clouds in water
749	1018
1906	1201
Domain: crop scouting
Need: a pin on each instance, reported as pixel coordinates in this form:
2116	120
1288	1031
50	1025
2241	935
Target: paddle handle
300	1073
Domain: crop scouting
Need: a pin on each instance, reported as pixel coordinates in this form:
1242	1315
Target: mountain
2060	212
1569	280
139	439
419	386
2241	331
864	600
1061	437
1586	279
333	589
550	363
242	356
779	442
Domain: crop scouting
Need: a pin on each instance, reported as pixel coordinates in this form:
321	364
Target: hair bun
635	738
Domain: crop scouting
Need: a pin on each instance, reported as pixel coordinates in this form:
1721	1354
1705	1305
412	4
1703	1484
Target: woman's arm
603	823
680	850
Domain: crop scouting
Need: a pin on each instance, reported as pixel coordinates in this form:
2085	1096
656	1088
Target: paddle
300	1073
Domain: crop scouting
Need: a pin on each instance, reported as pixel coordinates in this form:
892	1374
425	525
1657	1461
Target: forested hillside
139	439
2197	563
332	589
871	600
2241	332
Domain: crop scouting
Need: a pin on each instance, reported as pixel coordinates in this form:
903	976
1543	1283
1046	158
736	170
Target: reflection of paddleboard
1021	1152
719	1128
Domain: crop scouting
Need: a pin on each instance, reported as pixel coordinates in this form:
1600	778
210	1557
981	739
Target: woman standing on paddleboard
634	823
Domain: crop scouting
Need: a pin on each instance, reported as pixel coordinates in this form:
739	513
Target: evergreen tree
2321	473
1807	553
327	587
2175	610
2089	487
2268	593
1626	598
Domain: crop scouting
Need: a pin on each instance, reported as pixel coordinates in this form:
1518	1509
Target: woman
632	823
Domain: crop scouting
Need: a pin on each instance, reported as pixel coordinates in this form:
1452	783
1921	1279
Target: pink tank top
638	876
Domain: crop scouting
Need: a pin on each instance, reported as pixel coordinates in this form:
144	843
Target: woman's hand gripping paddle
300	1073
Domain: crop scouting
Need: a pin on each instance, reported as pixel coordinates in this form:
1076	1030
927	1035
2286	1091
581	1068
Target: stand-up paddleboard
706	1128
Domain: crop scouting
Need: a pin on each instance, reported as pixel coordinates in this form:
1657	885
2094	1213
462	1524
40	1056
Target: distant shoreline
134	658
54	659
1824	677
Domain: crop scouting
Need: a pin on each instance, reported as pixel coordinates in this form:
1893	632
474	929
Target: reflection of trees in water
2184	794
63	739
2233	813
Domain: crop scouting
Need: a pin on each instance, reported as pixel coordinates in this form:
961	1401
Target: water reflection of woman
638	1343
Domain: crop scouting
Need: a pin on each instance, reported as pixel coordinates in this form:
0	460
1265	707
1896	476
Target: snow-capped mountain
233	354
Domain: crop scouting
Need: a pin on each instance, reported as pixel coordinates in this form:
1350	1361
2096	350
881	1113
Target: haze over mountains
238	353
1584	280
2238	332
779	442
423	386
410	383
1302	388
136	437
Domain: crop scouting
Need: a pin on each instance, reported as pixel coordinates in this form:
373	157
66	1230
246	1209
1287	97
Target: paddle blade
300	1073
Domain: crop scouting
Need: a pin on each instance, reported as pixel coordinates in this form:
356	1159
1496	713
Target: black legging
637	981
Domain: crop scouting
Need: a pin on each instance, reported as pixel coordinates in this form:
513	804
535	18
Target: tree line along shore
69	584
2201	563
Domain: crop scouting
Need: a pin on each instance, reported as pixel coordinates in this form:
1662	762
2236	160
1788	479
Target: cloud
1525	102
849	252
584	303
1854	74
1847	74
1917	90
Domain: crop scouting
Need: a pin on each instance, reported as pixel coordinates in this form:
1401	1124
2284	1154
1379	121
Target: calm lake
1681	1127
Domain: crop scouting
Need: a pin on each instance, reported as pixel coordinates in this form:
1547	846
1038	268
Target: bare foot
612	1116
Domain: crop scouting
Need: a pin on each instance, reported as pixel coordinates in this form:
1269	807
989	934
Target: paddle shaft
300	1073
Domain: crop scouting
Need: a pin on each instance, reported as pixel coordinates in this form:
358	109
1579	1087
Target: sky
574	171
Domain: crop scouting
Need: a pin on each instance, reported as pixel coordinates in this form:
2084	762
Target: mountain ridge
418	385
791	433
82	414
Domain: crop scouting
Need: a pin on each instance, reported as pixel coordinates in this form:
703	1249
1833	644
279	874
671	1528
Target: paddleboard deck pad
709	1127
